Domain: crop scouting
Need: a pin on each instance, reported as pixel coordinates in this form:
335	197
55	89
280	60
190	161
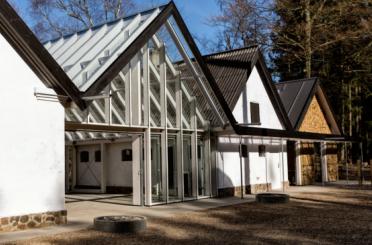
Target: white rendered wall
119	173
256	92
31	141
256	169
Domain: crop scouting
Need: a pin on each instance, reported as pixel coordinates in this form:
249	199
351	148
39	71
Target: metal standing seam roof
86	55
231	70
295	96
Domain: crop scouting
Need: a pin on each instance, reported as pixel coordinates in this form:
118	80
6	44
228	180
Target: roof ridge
110	22
297	80
232	50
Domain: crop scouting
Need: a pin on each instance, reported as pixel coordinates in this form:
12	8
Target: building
132	107
308	109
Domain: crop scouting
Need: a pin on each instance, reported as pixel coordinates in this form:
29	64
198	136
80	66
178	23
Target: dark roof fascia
272	91
149	10
169	10
306	106
26	44
199	58
231	50
111	72
330	108
249	71
276	133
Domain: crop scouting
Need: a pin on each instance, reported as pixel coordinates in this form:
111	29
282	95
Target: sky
194	12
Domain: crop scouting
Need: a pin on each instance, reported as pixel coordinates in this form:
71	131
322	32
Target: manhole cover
272	198
120	224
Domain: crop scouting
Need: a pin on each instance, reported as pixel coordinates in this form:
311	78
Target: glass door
173	188
202	170
187	167
156	170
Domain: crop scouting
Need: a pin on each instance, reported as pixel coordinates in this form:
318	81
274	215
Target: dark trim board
130	52
25	43
273	94
47	69
298	94
169	10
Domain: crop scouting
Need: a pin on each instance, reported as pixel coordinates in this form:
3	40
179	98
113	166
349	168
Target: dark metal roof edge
273	93
170	9
106	23
277	133
306	106
124	58
254	46
26	44
199	58
320	87
296	80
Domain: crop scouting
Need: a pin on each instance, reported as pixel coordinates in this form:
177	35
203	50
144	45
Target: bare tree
54	18
316	26
242	23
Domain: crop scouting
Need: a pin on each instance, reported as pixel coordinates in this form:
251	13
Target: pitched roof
87	54
231	70
96	65
296	96
24	42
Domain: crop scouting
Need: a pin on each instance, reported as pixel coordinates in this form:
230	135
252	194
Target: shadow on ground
311	217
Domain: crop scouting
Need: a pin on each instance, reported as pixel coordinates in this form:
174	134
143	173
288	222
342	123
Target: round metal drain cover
120	224
272	198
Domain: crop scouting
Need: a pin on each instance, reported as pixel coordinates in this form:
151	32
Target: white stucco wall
119	173
31	141
256	92
256	169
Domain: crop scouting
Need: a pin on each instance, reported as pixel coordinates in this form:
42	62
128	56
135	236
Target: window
255	113
244	150
97	156
262	150
84	156
126	155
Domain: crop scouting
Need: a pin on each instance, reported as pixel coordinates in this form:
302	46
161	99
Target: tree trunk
308	49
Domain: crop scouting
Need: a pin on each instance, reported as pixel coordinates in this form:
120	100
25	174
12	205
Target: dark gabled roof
168	10
25	43
296	96
231	70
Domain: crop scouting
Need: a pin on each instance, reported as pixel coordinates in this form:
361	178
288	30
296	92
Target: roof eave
25	43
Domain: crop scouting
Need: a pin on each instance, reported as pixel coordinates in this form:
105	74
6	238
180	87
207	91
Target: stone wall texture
332	161
309	163
314	120
23	222
307	160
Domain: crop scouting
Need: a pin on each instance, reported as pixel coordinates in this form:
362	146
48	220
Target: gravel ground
314	216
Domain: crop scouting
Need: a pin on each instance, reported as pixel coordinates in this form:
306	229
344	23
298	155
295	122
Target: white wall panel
31	143
256	92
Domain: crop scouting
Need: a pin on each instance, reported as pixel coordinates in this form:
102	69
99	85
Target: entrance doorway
89	167
106	164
